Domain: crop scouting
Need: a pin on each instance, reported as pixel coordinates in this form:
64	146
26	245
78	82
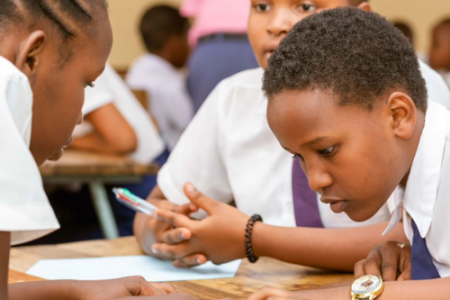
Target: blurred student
406	30
164	33
42	82
220	42
440	49
115	122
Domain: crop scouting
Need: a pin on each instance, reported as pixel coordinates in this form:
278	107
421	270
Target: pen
132	201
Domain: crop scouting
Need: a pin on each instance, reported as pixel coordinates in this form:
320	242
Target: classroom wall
125	14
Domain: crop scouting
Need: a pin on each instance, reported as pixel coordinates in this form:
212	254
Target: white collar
423	182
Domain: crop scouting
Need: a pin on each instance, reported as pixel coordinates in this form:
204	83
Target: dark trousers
214	59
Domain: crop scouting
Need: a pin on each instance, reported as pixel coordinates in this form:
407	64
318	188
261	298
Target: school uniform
167	95
24	208
110	88
426	199
229	153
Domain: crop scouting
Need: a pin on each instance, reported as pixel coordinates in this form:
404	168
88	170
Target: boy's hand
220	236
391	260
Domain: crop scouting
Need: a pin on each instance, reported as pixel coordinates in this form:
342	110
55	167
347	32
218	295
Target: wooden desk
249	279
96	170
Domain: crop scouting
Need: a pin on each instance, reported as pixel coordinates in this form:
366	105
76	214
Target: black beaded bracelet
248	238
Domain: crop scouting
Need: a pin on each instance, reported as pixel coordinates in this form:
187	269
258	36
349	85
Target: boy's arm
5	242
112	133
221	238
396	290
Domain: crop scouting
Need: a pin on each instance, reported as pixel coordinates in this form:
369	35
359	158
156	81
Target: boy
229	153
440	49
164	33
352	107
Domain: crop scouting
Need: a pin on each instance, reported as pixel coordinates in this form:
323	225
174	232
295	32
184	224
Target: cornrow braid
54	11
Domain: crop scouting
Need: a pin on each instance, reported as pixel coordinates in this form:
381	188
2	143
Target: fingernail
190	188
155	251
182	236
199	261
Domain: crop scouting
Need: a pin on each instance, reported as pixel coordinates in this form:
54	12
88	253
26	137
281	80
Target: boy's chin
358	215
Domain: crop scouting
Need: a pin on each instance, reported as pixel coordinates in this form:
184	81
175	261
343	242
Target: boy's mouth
337	206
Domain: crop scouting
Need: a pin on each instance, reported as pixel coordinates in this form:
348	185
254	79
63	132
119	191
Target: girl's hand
89	290
220	236
270	293
119	288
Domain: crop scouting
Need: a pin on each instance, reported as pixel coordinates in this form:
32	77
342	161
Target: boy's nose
318	179
282	22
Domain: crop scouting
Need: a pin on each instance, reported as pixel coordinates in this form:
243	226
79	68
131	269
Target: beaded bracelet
248	238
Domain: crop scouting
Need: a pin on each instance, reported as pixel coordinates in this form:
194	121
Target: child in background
42	82
103	128
164	33
220	43
406	30
440	49
352	107
229	153
114	122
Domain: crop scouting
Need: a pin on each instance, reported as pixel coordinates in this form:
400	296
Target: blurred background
421	16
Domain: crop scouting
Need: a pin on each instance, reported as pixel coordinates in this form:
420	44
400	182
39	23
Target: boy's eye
327	151
262	7
307	7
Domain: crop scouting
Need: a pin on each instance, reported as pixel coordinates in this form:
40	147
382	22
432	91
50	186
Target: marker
132	201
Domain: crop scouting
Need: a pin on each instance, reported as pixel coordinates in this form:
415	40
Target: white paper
150	268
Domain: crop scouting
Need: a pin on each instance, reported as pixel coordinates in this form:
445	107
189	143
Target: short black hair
67	16
358	56
159	23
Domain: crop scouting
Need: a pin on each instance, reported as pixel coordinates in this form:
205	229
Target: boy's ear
365	6
402	112
29	54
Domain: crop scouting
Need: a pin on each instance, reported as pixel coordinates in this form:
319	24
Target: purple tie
306	208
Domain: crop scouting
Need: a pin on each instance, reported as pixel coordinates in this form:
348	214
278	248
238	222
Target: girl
49	53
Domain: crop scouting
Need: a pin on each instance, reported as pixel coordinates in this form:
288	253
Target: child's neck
5	241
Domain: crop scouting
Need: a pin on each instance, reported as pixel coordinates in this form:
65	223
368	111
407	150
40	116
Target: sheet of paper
150	268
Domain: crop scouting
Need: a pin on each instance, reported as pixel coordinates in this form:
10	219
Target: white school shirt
426	198
229	152
24	207
167	94
110	88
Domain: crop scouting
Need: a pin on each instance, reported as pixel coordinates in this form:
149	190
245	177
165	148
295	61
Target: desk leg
103	209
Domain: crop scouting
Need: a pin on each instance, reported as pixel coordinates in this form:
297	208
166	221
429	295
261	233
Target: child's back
164	33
